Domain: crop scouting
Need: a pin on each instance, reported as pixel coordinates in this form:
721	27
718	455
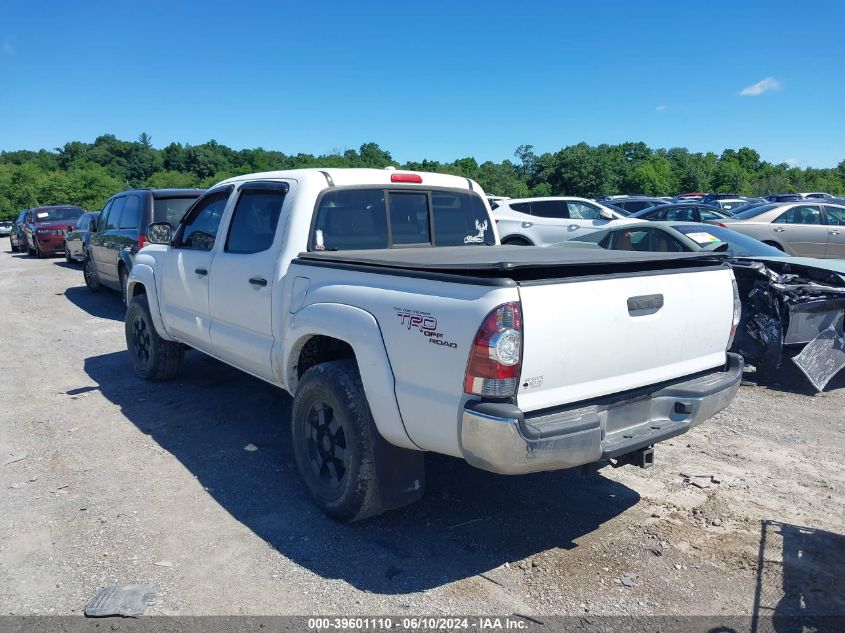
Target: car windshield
54	215
171	210
753	211
738	245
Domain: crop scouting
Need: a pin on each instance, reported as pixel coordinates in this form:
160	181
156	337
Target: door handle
834	232
573	227
779	230
258	281
202	272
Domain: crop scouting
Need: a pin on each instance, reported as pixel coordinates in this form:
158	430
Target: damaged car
792	307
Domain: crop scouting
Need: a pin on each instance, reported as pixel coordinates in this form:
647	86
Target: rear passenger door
245	276
99	244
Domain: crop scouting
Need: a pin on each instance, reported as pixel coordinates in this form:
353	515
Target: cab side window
199	231
550	209
583	211
254	221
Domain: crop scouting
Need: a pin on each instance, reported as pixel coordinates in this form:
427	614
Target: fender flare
361	331
144	275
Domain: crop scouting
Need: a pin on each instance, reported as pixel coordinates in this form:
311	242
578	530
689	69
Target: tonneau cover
498	258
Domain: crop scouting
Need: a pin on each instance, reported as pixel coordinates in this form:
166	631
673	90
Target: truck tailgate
590	337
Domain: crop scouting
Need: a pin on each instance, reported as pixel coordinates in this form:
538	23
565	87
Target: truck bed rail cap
498	257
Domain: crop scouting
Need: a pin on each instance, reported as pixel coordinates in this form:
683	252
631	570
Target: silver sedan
804	228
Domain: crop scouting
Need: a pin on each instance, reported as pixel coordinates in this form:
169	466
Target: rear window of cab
374	218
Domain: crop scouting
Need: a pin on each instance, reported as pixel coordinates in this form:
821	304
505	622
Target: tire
91	279
13	246
38	253
334	441
152	357
124	281
515	241
68	258
29	251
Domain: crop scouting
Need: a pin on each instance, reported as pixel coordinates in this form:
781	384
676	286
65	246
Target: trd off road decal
425	324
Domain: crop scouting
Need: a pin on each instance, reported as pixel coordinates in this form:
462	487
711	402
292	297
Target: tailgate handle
645	302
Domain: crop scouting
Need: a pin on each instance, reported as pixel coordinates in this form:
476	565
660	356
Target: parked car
16	235
78	236
496	200
816	195
540	221
44	228
784	197
729	204
380	301
799	228
710	198
632	204
681	212
787	302
120	232
5	227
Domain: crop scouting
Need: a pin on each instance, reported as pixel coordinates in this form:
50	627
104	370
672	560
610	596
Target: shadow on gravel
469	522
789	378
799	579
63	264
104	304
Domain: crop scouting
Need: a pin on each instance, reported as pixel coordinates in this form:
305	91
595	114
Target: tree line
86	174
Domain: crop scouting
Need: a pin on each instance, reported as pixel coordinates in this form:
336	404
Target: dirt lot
192	486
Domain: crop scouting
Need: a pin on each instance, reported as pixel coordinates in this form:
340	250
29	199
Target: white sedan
543	221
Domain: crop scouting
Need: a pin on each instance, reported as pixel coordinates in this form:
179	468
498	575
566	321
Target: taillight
142	241
396	177
495	359
737	315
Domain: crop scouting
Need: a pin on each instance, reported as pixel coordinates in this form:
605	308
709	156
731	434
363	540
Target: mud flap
823	357
401	474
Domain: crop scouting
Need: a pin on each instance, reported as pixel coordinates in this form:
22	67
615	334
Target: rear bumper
502	439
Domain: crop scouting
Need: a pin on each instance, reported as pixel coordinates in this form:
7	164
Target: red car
45	227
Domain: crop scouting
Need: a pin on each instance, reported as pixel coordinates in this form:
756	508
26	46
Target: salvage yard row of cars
405	315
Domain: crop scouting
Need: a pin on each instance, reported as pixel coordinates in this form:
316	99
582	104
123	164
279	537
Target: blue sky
439	80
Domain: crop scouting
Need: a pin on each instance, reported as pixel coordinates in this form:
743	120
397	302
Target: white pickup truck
381	301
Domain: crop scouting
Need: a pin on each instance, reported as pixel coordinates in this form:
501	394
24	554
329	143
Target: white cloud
8	48
765	85
661	108
793	162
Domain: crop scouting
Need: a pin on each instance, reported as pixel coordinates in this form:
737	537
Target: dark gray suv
121	229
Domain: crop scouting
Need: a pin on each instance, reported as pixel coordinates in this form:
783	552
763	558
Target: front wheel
13	246
152	357
124	283
91	279
334	441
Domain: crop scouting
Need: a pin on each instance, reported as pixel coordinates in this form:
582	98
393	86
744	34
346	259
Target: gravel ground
191	486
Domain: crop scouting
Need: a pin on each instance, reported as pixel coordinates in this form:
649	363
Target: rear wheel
13	246
91	279
334	441
152	357
515	241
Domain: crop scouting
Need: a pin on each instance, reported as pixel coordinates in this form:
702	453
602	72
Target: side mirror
71	227
159	233
92	228
607	215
